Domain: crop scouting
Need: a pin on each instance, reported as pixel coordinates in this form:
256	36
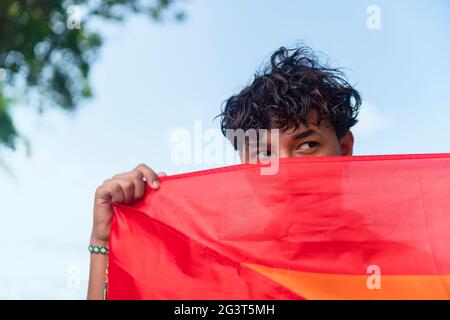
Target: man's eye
307	146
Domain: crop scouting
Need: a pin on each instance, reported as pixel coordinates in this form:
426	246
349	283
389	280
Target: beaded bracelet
97	249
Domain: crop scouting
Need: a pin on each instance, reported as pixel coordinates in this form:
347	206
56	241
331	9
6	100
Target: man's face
306	141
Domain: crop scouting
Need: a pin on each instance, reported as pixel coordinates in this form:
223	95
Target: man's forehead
312	122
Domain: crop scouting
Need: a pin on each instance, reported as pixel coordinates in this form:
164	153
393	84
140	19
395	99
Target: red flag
362	227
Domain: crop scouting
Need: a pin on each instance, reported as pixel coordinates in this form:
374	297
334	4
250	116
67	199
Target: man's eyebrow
305	134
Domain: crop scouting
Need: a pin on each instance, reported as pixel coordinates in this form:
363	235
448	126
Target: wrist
100	232
98	241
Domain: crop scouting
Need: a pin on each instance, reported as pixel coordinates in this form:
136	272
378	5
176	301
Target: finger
139	188
110	191
127	186
150	176
131	175
139	183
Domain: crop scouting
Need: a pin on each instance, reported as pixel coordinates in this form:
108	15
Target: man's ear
346	144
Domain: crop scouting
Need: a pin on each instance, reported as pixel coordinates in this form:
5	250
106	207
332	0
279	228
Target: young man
312	105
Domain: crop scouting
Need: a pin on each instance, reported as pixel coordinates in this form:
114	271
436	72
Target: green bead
97	249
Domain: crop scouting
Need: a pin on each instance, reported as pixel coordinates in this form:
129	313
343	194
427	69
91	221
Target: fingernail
155	184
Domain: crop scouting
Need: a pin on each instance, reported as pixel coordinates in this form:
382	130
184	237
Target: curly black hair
287	89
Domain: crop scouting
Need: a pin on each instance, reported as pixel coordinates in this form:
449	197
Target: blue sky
152	79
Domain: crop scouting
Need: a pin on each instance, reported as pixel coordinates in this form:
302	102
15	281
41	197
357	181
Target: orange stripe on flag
321	286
